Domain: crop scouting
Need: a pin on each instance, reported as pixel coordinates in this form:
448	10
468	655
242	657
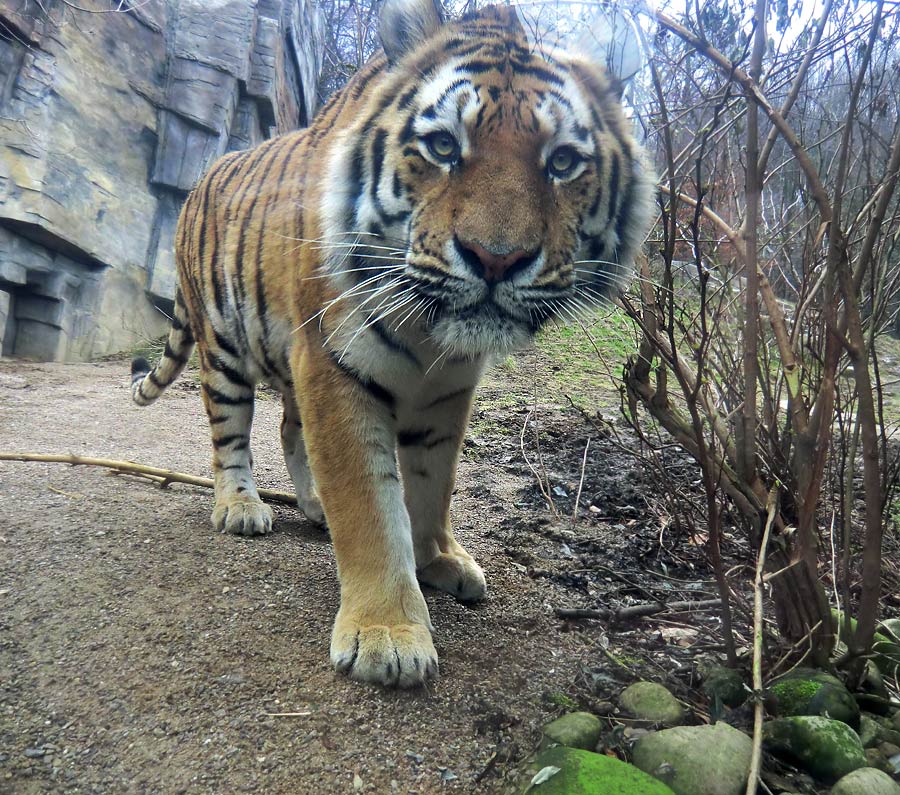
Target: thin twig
580	482
545	491
756	755
164	476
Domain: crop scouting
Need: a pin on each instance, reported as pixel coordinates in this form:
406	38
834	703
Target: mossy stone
575	730
697	760
651	702
726	685
809	692
828	749
866	781
585	773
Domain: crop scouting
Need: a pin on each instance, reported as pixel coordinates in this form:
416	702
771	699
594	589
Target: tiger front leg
429	443
382	632
228	399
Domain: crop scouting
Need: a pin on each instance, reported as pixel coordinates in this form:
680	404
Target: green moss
586	773
793	694
561	700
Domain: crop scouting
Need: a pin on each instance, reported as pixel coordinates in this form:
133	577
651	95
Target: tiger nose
493	266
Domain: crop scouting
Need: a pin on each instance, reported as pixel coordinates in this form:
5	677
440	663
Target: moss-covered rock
697	760
586	773
866	781
725	685
651	702
805	691
828	749
575	730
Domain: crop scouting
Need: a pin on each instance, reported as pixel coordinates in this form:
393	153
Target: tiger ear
404	24
604	35
614	40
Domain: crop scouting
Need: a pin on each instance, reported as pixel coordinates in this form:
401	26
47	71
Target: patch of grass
562	701
586	360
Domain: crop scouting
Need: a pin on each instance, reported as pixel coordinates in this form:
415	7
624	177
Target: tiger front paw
242	517
395	655
457	573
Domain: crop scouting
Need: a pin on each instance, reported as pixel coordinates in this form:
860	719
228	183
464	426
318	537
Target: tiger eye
443	146
563	161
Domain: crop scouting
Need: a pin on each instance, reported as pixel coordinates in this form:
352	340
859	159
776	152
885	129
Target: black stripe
458	83
613	187
394	345
223	441
478	67
221	398
151	377
440	440
168	353
447	397
538	72
624	211
219	420
378	148
205	218
406	99
375	389
225	344
218	364
412	438
377	161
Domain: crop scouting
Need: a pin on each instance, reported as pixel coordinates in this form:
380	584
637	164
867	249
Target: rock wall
106	122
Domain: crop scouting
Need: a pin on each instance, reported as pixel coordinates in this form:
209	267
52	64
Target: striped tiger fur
461	190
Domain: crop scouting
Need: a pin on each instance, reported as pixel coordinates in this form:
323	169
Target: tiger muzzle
494	263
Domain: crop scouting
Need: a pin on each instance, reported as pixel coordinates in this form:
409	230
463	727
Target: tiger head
506	176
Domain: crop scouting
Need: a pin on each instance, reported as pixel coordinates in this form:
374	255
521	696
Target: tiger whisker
416	307
440	356
333	301
372	321
390	286
383	269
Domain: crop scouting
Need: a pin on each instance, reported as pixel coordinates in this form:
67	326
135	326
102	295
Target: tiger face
504	174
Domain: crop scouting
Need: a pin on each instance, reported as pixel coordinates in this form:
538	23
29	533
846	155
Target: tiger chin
464	188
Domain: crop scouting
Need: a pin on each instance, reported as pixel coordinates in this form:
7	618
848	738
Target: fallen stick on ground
163	477
636	611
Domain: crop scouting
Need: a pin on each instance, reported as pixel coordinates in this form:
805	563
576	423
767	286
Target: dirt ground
142	652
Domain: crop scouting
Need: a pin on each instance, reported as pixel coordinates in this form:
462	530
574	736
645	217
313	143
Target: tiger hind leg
295	457
228	396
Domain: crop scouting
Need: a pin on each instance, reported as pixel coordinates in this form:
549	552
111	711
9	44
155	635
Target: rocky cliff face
106	122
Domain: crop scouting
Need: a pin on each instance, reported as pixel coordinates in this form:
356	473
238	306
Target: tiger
464	188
